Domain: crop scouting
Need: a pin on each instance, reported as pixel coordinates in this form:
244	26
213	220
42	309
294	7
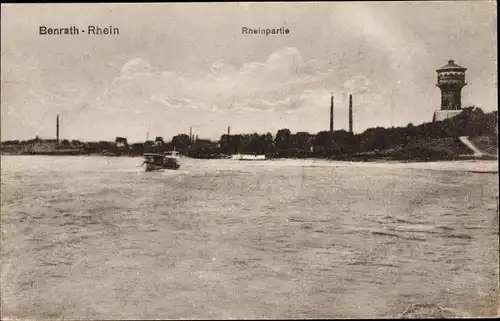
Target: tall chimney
331	115
228	130
350	113
190	134
57	130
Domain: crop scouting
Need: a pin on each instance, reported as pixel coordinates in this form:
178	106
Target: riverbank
418	150
364	157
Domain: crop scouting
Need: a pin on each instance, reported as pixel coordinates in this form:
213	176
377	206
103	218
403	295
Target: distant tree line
410	142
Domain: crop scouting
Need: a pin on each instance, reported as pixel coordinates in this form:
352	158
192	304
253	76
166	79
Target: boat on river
246	157
161	161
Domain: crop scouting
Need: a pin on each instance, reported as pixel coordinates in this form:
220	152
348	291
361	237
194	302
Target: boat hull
156	161
155	167
243	157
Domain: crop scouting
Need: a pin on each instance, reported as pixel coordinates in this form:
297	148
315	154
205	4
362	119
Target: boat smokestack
57	130
331	114
350	114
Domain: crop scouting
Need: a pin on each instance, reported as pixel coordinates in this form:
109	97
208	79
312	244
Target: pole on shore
331	114
57	130
350	113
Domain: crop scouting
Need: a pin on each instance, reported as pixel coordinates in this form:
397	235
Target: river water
97	237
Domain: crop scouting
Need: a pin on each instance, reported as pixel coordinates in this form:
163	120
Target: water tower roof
451	65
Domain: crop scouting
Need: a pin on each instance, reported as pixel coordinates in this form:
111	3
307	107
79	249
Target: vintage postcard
249	160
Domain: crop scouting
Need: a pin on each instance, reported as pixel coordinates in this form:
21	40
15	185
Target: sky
176	65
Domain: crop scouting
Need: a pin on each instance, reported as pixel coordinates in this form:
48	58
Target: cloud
137	67
357	85
221	68
283	82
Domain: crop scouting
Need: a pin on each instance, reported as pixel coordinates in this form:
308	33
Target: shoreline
467	164
352	158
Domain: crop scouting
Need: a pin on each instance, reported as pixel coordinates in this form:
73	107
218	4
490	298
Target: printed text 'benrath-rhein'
74	30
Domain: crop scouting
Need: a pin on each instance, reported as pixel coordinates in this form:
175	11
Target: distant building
450	80
38	145
42	147
149	144
121	142
159	141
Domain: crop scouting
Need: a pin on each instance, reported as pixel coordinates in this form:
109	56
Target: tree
181	141
256	145
244	144
282	140
75	142
148	146
303	140
137	149
224	143
267	141
234	143
321	138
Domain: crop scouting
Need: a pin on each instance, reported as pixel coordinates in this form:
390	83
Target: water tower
451	80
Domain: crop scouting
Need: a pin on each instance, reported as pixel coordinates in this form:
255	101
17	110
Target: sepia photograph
243	160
